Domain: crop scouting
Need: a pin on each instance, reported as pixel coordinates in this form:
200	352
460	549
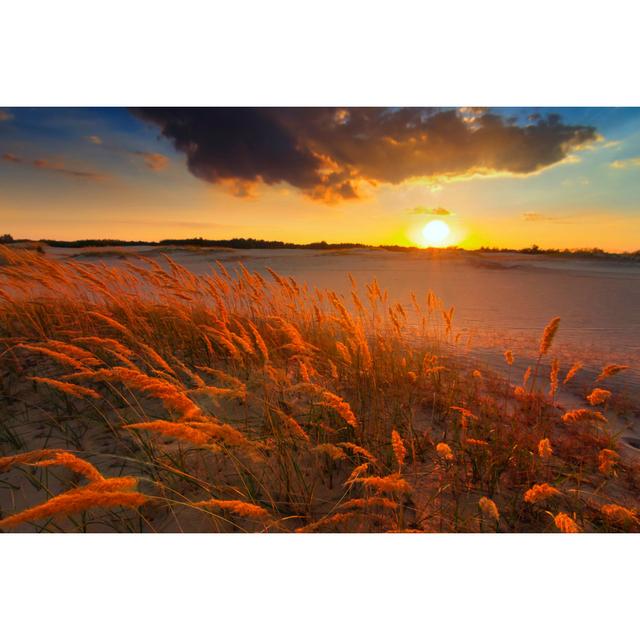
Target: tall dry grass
146	398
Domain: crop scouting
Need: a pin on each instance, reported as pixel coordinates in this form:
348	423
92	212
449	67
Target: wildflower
106	343
336	518
598	396
344	352
399	450
374	501
67	388
239	507
62	358
477	443
465	416
617	515
84	356
114	324
73	463
572	372
489	508
358	450
29	457
360	469
548	335
75	501
170	395
607	459
219	391
444	451
53	457
508	356
292	426
391	483
465	412
262	347
157	358
303	371
225	377
330	450
611	370
583	415
566	524
177	430
553	377
544	448
540	492
341	407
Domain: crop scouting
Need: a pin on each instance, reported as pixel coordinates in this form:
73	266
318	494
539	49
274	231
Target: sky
499	177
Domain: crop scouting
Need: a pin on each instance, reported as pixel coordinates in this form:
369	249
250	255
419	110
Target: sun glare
435	233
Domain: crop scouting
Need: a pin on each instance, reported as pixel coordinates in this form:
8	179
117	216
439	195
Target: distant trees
253	243
74	244
593	252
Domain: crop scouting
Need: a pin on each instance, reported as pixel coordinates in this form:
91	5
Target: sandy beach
227	349
501	300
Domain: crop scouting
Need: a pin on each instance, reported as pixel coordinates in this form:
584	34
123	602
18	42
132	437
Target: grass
145	398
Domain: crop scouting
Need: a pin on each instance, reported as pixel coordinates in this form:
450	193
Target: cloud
155	161
334	154
581	181
626	163
54	167
5	116
427	211
532	216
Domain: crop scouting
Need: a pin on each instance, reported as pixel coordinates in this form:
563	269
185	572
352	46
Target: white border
334	52
318	586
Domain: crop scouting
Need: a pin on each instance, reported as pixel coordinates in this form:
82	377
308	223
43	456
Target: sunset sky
508	177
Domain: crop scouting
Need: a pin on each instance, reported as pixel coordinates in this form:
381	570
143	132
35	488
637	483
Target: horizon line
282	244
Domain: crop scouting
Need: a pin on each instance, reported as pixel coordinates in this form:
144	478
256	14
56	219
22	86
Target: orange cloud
155	161
532	216
427	211
54	167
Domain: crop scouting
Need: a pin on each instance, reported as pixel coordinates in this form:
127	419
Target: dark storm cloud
328	153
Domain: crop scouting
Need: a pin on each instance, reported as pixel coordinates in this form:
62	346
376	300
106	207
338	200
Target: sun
435	233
